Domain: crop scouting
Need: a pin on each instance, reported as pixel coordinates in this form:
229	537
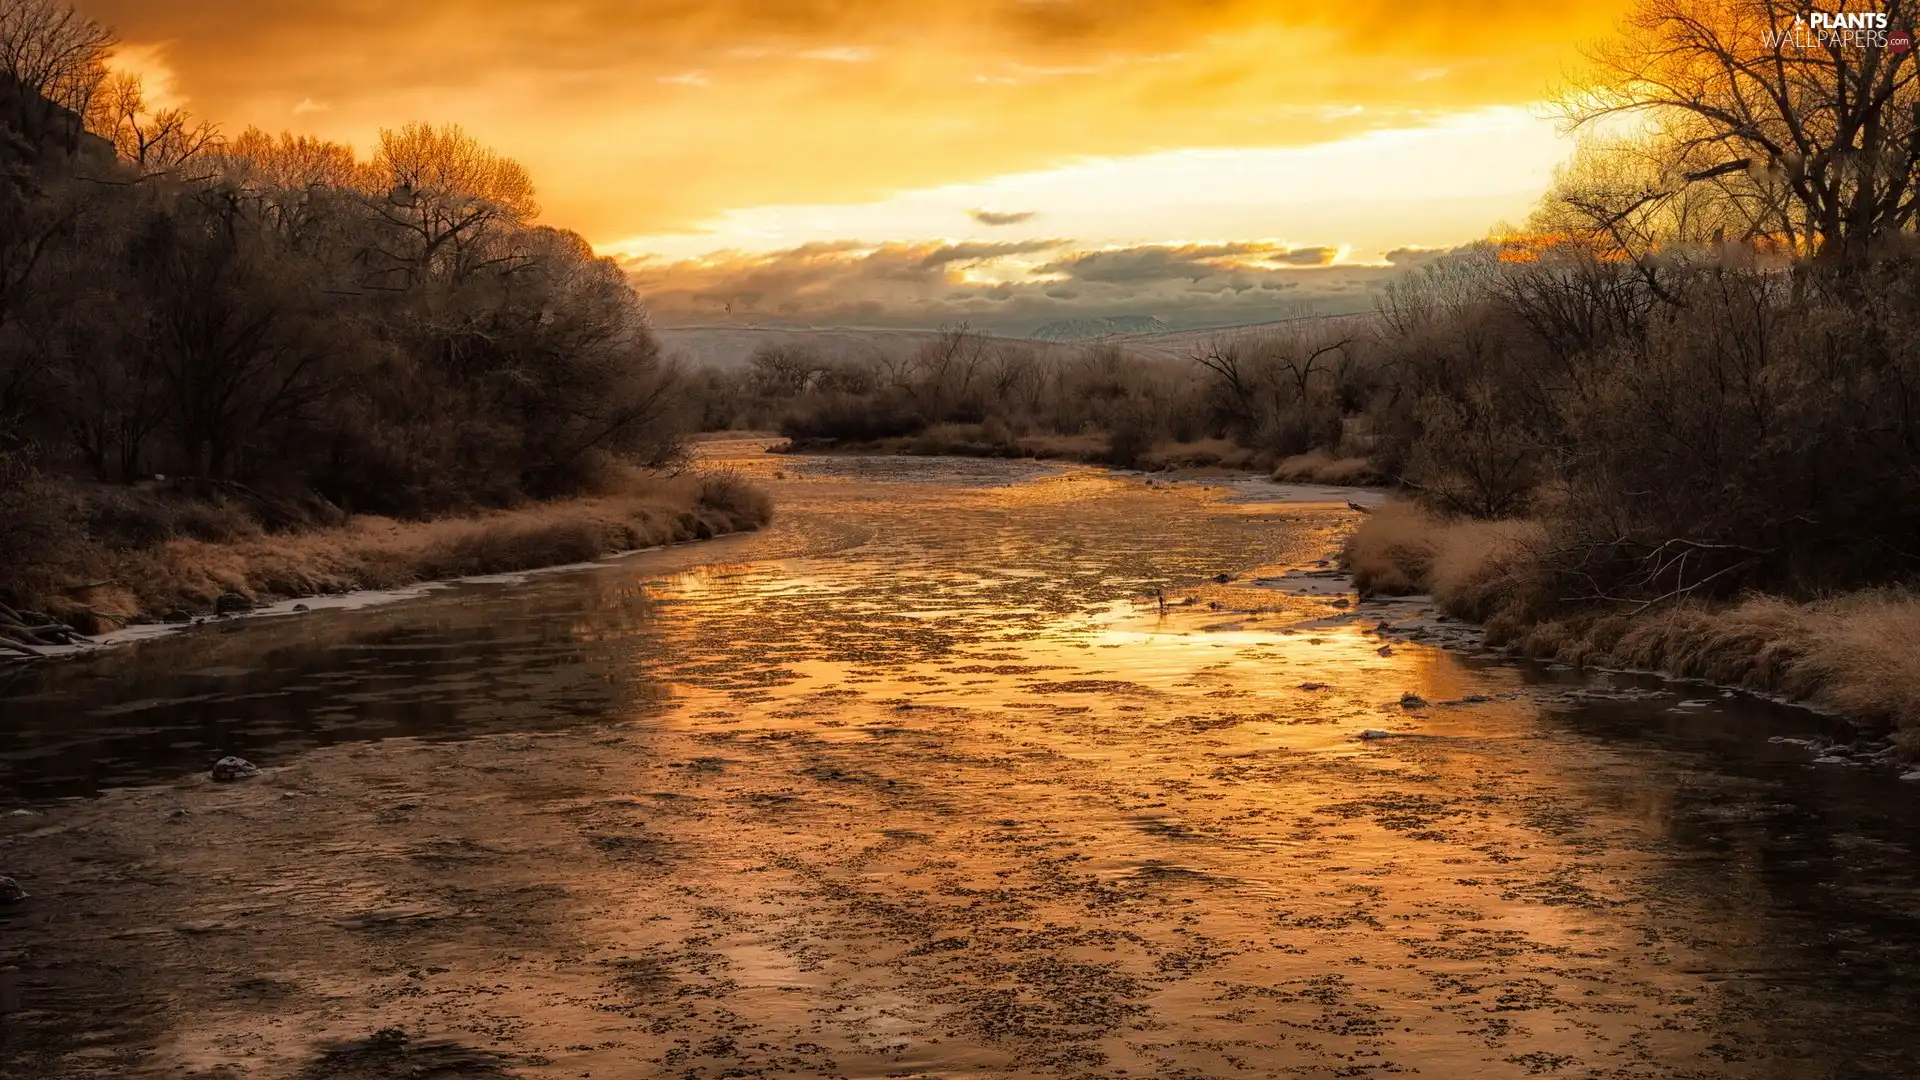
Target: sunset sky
907	162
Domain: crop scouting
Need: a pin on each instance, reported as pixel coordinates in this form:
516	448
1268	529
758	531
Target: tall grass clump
100	586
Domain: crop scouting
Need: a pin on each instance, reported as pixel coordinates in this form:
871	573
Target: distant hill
1084	329
1183	344
726	346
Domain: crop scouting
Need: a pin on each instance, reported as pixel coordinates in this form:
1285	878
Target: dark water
920	783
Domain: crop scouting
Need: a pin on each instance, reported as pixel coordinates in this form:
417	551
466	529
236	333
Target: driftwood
12	648
31	632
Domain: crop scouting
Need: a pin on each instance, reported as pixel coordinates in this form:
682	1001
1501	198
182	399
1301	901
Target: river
923	781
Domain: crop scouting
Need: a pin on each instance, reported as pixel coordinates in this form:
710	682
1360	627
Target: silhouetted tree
1813	142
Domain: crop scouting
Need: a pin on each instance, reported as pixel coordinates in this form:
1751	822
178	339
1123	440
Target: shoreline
351	600
1181	461
1421	620
1838	657
372	560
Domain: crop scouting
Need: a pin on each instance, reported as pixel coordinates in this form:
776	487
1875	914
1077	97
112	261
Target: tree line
279	316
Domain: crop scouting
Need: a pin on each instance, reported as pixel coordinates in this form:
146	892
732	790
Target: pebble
1377	733
10	891
1385	650
1412	700
233	768
1313	686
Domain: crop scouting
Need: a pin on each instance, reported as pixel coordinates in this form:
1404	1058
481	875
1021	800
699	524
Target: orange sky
679	129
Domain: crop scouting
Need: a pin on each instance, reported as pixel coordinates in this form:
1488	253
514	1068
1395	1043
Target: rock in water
10	891
231	603
1411	700
1375	733
229	769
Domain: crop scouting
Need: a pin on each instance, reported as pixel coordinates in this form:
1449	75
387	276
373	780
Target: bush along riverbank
173	557
1848	652
996	440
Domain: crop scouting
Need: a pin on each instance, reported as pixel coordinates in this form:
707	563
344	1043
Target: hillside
1086	329
727	346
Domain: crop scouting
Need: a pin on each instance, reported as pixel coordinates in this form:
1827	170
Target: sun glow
1434	184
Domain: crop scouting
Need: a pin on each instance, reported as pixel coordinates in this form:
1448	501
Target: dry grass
1200	454
1852	653
1065	447
1392	552
1321	467
1473	569
97	588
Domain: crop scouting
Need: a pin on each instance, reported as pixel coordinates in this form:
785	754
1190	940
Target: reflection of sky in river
942	775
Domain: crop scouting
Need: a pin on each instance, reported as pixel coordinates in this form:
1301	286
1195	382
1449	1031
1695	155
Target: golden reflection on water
923	782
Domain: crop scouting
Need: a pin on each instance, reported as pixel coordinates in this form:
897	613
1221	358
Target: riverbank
1850	653
94	588
991	440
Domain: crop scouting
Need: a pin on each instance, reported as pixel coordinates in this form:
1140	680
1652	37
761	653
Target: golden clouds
648	117
1008	287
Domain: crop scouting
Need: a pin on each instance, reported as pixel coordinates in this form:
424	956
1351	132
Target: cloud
994	217
927	284
982	251
308	105
814	102
839	54
159	81
1417	256
1186	262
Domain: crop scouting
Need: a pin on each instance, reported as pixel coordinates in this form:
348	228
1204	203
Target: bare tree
229	328
946	366
155	141
1304	354
292	162
785	370
438	192
1222	357
57	55
1812	138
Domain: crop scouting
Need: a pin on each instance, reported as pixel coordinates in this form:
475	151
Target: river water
922	781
